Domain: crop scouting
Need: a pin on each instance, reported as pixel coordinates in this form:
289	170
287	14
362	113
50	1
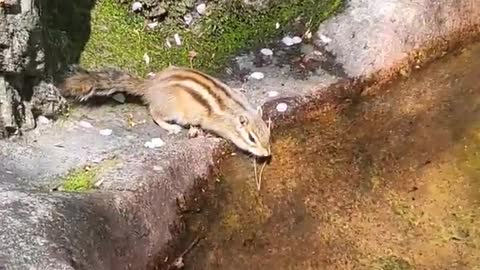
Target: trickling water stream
391	182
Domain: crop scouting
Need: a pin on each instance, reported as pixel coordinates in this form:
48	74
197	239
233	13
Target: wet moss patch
79	180
393	263
120	39
84	179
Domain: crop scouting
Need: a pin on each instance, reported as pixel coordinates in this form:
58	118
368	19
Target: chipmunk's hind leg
161	120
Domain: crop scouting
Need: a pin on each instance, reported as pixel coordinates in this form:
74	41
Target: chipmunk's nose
267	152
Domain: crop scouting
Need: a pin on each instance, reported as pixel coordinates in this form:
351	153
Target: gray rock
134	206
371	35
6	106
47	100
36	41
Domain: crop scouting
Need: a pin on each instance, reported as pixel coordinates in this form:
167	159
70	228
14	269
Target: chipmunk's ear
260	110
243	120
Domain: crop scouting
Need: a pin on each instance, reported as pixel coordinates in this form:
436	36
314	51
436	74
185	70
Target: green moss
393	263
79	180
118	37
84	179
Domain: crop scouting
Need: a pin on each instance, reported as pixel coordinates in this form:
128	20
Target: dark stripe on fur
218	85
197	97
209	89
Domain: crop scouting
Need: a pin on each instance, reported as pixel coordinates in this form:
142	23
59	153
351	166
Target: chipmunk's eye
250	137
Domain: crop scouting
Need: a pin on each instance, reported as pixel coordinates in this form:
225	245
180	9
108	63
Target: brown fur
84	84
184	96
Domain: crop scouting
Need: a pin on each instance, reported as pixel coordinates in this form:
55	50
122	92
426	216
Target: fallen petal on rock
288	41
257	75
325	39
85	124
272	93
281	107
297	40
119	97
154	143
266	51
105	132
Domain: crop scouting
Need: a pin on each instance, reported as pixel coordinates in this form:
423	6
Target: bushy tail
84	84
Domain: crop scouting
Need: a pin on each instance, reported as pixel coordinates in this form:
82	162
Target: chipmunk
186	97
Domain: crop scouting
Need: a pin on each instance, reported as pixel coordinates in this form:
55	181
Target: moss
79	180
469	160
84	179
393	263
119	39
403	209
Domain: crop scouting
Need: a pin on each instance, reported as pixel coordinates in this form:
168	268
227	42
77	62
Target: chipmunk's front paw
195	132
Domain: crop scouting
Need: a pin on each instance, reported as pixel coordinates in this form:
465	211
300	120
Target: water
391	182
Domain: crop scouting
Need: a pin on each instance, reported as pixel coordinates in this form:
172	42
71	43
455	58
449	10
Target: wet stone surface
389	182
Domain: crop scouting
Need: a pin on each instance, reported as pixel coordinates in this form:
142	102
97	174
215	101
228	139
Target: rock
46	100
42	120
27	116
7	116
392	28
32	56
119	97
